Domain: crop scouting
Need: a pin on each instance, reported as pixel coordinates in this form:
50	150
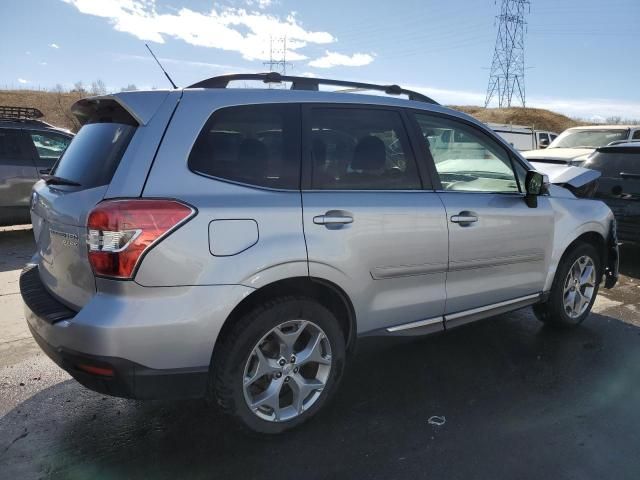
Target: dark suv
28	149
619	186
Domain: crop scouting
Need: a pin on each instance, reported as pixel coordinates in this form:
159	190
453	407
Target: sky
581	55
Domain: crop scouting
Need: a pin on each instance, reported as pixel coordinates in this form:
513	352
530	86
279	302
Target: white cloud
22	81
54	45
334	59
44	64
179	62
231	29
261	4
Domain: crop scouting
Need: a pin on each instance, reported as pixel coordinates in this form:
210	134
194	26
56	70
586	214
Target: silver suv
233	243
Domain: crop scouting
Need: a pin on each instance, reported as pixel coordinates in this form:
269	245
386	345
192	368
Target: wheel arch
325	292
591	237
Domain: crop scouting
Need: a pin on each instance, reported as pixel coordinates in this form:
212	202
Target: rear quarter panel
185	257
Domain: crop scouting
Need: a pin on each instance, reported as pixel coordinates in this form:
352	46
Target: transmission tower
507	67
278	56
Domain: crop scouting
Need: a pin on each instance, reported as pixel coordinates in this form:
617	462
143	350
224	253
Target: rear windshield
94	154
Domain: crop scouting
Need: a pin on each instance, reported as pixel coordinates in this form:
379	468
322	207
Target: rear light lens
120	232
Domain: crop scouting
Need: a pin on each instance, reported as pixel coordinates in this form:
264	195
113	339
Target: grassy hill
538	118
55	106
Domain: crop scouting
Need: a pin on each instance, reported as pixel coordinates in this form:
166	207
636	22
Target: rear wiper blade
53	180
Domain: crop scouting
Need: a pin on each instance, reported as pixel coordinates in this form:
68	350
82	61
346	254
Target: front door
369	225
499	248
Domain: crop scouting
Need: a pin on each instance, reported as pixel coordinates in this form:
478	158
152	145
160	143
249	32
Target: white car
574	145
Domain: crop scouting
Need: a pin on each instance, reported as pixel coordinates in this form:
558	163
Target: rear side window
12	148
252	144
360	149
93	156
612	162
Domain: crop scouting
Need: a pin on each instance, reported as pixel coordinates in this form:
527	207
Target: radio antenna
160	65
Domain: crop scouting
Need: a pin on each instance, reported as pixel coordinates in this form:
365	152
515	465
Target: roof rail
19	113
309	83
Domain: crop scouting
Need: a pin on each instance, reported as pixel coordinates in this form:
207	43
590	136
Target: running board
451	320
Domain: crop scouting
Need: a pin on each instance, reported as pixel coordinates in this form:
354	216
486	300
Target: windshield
589	138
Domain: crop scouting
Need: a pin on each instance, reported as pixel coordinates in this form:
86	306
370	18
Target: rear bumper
127	379
133	341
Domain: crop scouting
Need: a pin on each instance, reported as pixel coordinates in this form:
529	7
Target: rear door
369	225
59	211
499	248
619	186
17	173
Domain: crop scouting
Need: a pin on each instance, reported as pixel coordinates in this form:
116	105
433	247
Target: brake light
120	232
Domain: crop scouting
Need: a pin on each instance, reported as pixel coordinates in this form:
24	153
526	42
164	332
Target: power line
507	67
278	56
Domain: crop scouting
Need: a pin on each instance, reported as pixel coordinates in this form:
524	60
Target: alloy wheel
579	286
287	370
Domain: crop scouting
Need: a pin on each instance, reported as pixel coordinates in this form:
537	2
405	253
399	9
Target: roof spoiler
123	107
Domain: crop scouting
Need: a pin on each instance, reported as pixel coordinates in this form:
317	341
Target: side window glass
360	149
12	149
253	144
49	145
636	135
466	159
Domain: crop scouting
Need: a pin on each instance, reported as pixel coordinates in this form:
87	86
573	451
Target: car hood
557	155
566	175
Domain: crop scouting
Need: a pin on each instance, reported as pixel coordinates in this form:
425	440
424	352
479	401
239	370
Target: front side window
465	158
360	149
253	144
636	135
49	146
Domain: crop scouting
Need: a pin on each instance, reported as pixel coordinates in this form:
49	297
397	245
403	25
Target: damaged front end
582	182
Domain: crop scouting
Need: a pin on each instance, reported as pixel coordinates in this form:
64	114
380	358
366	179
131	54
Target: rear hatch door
61	203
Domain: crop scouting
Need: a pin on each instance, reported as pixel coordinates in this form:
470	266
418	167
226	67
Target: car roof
34	125
604	127
631	146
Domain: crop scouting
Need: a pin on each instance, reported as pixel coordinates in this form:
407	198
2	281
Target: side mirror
535	184
544	143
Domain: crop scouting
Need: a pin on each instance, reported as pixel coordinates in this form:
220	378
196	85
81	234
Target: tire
255	345
555	311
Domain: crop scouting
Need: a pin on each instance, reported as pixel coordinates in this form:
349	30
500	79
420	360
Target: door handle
464	218
333	218
626	175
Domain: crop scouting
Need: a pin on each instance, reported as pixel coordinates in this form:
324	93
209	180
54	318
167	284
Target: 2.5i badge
68	239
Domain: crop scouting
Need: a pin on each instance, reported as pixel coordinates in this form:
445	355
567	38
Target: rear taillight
120	232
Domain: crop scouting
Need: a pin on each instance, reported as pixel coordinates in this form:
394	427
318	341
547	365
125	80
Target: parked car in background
619	186
575	144
28	150
233	243
522	137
